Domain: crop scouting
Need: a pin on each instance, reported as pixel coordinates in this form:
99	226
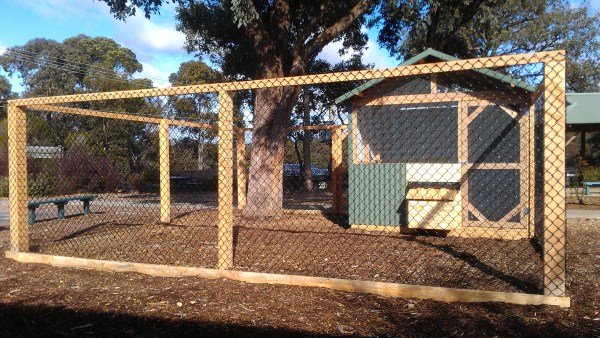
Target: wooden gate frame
554	222
465	119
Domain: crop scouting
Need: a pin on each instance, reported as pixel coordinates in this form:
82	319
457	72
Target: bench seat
588	185
60	205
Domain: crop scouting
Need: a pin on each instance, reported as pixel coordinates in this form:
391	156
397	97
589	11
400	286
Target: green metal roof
583	108
442	57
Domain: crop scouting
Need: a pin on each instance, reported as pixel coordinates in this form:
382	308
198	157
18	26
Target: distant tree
5	94
474	28
77	65
199	107
264	39
315	107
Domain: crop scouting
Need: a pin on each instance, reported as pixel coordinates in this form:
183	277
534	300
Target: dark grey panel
494	192
423	133
493	137
403	86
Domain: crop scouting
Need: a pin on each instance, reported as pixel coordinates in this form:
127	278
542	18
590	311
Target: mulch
39	300
311	245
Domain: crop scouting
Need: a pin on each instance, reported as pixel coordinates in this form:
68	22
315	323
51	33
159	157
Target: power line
75	63
73	67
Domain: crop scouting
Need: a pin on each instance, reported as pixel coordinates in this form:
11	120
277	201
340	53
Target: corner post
165	171
17	173
225	182
337	142
242	178
554	176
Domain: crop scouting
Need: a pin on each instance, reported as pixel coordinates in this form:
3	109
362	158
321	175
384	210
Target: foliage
591	174
78	64
3	186
472	28
85	64
80	171
593	149
42	185
5	94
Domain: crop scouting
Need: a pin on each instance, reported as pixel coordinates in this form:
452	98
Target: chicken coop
450	152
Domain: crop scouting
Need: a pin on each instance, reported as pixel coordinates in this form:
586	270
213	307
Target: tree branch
315	46
312	24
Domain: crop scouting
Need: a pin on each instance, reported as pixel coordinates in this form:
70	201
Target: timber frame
554	223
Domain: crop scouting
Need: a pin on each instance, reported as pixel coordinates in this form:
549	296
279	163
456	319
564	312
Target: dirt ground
589	203
38	300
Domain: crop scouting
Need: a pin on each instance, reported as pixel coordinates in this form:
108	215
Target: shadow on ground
28	321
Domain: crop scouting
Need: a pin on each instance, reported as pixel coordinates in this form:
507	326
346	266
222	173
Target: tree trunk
201	153
306	151
272	110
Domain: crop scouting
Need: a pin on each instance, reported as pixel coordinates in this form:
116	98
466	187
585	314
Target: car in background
292	175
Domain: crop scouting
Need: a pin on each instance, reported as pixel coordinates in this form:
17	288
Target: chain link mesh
443	174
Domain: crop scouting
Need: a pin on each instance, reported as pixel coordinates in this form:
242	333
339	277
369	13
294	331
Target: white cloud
377	56
145	36
330	53
373	54
159	77
137	33
2	49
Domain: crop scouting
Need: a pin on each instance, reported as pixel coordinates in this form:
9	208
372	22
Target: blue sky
156	42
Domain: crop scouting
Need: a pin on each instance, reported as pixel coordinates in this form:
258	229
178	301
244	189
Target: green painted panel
376	193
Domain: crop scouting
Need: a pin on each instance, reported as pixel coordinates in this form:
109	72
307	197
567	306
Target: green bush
3	186
591	174
41	185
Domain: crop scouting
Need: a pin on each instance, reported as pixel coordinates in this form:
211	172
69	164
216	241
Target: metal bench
588	185
60	204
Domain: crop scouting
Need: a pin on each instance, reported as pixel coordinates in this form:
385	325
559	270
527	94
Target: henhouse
448	151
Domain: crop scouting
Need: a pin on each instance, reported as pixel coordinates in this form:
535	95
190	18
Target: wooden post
225	184
337	149
531	170
433	84
554	177
242	176
165	171
524	186
17	183
463	125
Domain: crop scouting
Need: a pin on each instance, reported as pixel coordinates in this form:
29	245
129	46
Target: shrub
41	185
3	186
591	174
3	163
80	171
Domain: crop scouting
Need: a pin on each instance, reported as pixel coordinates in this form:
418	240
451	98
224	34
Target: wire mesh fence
441	173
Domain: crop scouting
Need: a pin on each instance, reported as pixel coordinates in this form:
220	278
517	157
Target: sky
156	42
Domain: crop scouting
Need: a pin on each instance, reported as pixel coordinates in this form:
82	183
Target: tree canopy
76	65
474	28
5	94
